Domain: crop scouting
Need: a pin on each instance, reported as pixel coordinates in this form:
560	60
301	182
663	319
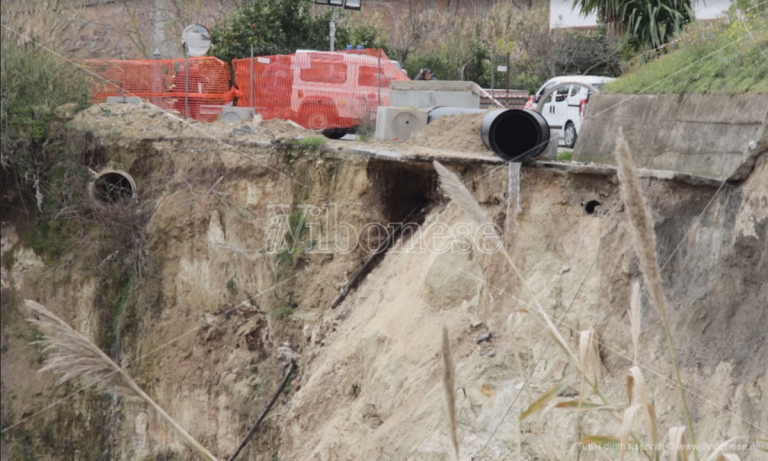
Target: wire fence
318	90
197	88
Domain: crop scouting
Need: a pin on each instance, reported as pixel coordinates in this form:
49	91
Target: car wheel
570	135
334	133
317	120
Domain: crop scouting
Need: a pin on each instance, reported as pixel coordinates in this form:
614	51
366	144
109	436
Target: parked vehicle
329	91
564	108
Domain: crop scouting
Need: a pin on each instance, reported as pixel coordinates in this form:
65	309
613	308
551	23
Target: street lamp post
346	4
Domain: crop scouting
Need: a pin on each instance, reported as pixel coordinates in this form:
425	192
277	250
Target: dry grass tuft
635	319
459	194
73	356
678	443
588	356
449	381
641	225
636	380
513	342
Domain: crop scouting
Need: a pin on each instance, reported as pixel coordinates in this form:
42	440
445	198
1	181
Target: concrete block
236	114
399	122
124	100
428	94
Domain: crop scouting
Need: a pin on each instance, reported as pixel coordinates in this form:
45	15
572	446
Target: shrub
283	26
35	83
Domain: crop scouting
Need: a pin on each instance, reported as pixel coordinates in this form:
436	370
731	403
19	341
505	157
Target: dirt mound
453	132
284	129
149	121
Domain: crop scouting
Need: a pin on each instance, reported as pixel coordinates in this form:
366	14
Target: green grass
48	239
716	58
285	311
117	301
312	143
565	156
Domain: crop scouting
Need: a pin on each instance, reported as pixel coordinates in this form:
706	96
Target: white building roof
563	15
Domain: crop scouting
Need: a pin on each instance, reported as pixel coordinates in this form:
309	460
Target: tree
648	23
282	27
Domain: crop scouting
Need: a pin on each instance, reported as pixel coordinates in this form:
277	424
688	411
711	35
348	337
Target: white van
565	108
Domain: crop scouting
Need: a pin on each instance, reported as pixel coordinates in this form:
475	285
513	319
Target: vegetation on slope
722	57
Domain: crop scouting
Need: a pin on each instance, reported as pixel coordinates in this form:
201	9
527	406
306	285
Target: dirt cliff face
238	286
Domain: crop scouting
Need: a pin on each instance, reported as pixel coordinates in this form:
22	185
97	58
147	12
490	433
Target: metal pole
493	95
253	103
186	81
333	29
157	75
378	81
507	80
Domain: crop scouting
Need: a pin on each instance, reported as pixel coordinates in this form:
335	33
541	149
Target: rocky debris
285	352
483	336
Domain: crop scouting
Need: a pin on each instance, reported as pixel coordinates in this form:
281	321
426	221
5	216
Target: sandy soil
149	121
454	132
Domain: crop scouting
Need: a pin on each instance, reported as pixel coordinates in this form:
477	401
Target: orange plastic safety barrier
164	83
319	90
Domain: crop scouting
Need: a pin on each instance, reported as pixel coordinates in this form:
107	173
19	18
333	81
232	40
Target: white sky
562	14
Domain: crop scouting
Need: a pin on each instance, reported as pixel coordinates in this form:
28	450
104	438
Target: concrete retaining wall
707	135
435	93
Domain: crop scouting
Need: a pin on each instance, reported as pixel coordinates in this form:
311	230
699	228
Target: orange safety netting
164	83
319	90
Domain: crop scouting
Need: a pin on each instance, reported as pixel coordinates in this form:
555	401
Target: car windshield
546	88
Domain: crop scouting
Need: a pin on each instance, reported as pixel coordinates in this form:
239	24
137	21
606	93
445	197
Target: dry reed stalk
459	194
589	359
635	319
513	343
718	455
678	443
626	428
641	225
449	381
636	380
74	356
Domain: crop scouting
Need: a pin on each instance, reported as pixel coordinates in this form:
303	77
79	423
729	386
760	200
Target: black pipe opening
591	205
515	135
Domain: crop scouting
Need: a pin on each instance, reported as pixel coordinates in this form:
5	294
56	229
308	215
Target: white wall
563	15
710	9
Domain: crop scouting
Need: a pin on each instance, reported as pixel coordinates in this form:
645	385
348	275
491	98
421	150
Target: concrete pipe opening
111	187
515	135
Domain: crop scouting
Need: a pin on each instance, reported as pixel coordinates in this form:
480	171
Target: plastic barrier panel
319	90
165	84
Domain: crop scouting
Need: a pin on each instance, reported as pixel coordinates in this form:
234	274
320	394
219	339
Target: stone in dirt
483	336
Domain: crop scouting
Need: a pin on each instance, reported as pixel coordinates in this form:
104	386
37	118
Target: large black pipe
513	134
